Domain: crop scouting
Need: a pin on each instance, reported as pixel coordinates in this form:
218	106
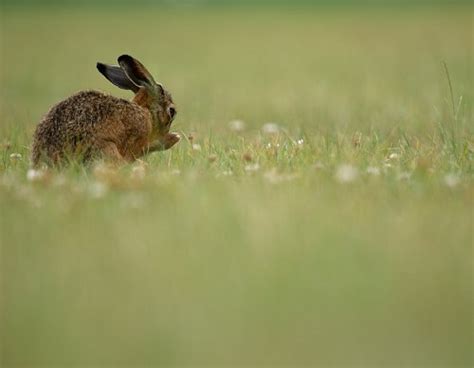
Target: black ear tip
124	58
100	67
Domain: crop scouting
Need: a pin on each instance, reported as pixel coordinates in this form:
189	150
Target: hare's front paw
171	139
165	142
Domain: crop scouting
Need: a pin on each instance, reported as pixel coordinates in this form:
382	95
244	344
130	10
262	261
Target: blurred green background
247	251
245	3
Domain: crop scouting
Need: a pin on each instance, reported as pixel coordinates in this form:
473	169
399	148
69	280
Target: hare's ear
136	72
117	76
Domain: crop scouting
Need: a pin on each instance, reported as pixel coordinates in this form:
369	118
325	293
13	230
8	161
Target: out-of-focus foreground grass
341	235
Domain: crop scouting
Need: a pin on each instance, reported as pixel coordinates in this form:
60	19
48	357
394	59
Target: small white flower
404	176
225	173
394	156
346	173
138	172
252	167
452	180
196	147
98	190
372	170
237	125
133	200
270	128
300	142
35	175
270	146
274	177
15	156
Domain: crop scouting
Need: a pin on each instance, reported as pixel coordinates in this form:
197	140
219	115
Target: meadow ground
339	235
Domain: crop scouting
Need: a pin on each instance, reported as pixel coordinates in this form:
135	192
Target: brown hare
92	124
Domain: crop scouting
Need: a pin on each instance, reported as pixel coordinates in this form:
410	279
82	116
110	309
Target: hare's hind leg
109	151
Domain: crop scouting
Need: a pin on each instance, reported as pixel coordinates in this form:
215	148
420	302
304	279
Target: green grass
256	249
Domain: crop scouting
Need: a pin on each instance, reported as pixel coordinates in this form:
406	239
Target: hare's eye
171	112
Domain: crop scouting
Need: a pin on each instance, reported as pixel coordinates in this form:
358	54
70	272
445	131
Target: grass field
339	235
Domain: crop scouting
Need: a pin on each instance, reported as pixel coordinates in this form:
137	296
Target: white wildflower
138	172
270	146
133	200
98	190
270	128
225	173
451	180
35	175
196	147
404	176
15	156
274	177
372	170
346	173
252	167
394	156
237	125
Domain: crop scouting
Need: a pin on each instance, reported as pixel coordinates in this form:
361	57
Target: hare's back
82	119
86	108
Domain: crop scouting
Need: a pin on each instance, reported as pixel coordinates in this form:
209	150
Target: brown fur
91	124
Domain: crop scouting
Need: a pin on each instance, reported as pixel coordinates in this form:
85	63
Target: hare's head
132	75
